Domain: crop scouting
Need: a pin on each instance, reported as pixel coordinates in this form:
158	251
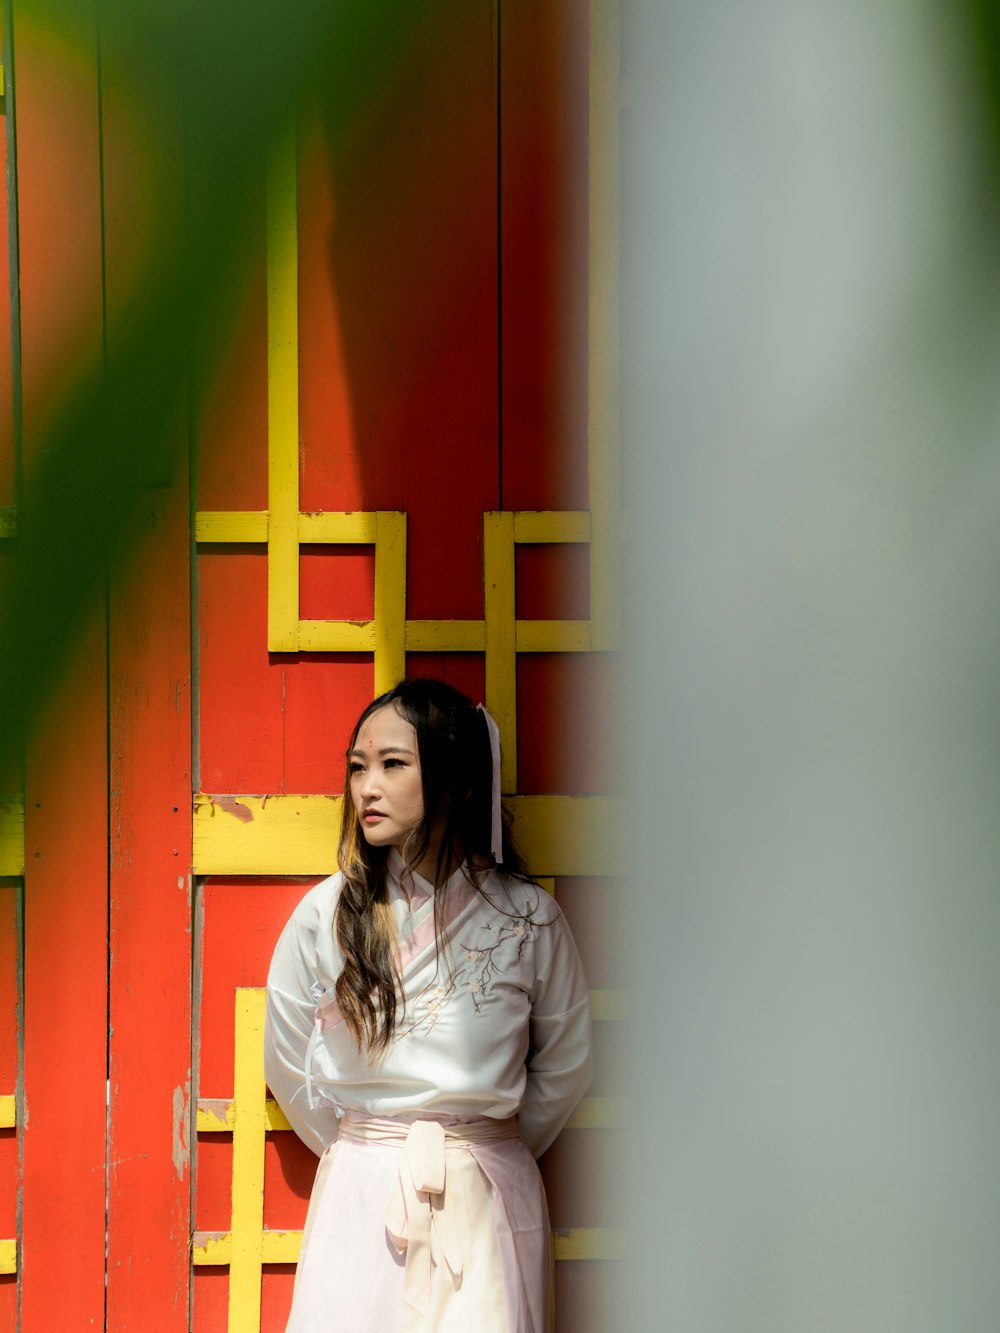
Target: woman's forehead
385	729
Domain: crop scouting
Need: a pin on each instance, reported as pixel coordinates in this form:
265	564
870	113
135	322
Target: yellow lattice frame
283	527
248	1245
11	836
8	1248
298	835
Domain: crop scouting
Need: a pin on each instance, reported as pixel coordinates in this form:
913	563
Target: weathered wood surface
66	791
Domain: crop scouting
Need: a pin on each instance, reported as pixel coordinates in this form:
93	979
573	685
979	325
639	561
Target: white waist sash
425	1216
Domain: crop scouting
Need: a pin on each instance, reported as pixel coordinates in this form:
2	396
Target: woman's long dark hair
456	773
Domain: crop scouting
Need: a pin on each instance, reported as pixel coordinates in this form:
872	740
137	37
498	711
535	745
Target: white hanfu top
495	1020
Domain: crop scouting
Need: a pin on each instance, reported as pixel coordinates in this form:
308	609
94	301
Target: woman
428	1034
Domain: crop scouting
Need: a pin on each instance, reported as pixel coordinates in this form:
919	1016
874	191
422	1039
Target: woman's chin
377	837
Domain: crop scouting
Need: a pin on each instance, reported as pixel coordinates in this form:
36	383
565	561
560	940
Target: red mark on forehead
370	742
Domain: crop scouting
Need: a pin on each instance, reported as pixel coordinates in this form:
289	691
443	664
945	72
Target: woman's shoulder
526	899
314	910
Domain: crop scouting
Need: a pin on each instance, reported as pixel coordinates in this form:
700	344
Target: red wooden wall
443	372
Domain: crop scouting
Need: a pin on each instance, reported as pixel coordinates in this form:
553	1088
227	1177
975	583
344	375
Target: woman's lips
373	816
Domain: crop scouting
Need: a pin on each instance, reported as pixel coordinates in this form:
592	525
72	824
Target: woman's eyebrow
389	749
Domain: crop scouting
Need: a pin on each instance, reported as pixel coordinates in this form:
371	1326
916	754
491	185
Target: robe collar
415	886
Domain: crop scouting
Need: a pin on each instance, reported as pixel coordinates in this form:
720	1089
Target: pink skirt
424	1225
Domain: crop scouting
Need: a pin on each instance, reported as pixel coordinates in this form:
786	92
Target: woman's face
384	768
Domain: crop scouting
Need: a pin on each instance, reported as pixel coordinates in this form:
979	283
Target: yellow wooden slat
230	526
8	1256
214	1248
445	636
248	1164
211	1248
219	1117
534	526
275	1116
589	1243
282	1247
298	835
598	1113
568	835
501	654
338	529
546	882
390	600
215	1116
553	636
8	1112
282	399
603	322
336	636
608	1006
267	835
12	836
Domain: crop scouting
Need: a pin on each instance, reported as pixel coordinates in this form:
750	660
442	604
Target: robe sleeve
559	1057
291	1012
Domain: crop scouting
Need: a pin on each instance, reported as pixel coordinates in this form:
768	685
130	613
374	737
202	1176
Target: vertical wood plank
149	928
66	826
150	931
543	250
501	656
59	204
603	324
65	1001
248	1164
283	399
8	468
398	241
10	1042
390	600
10	943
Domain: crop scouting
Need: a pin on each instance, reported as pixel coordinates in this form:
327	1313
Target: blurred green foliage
205	89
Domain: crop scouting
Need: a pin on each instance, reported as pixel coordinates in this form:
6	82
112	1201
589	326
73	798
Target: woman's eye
354	768
394	763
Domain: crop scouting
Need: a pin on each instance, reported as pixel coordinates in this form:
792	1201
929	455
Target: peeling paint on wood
181	1154
217	1115
233	806
214	1115
215	1248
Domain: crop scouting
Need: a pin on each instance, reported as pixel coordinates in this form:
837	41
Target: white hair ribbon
496	836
